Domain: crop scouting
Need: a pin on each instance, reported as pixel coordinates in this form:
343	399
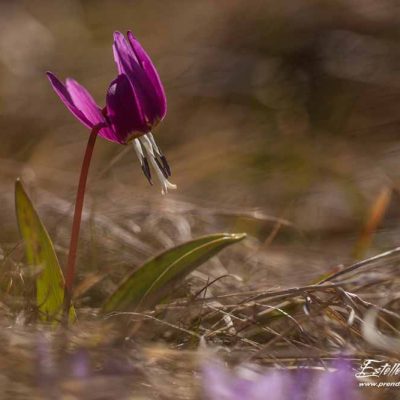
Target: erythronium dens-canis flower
135	104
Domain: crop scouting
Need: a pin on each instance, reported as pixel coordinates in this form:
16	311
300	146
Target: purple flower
80	364
220	384
338	384
135	104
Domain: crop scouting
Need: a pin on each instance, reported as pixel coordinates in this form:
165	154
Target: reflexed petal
82	105
123	110
148	66
84	102
66	98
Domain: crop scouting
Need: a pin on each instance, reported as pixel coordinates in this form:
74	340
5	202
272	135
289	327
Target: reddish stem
73	244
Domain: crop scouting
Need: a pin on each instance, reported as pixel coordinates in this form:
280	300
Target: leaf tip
238	236
18	184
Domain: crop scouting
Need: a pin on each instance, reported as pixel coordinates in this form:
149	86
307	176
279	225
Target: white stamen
165	183
138	149
153	143
148	146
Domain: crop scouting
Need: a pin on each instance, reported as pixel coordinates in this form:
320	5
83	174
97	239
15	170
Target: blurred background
282	121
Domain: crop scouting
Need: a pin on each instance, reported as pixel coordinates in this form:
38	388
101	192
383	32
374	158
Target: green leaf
41	256
150	283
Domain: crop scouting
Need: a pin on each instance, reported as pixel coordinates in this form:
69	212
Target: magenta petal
128	64
124	57
66	98
123	110
148	66
84	102
108	133
82	105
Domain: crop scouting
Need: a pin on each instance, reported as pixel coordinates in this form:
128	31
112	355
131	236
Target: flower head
135	104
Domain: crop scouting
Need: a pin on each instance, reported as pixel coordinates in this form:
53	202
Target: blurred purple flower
338	384
220	384
80	365
135	104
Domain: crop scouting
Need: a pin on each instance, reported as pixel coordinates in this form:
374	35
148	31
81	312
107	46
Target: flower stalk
76	224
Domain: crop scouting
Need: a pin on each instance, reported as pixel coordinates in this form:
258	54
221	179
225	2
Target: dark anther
165	164
164	172
146	169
